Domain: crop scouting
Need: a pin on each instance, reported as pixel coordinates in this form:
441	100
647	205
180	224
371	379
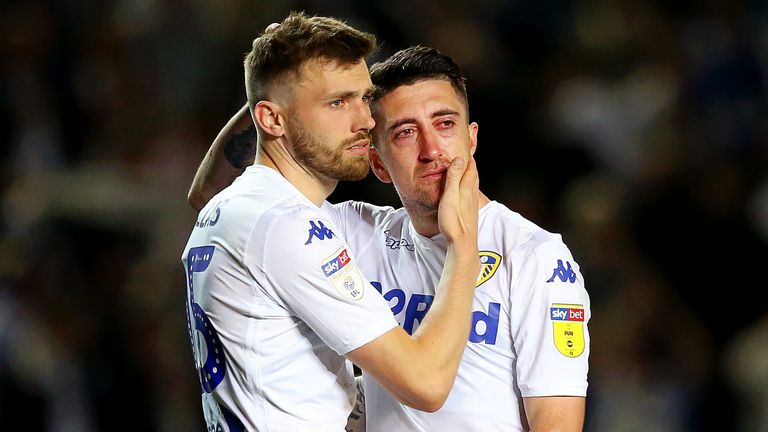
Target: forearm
419	370
232	151
443	335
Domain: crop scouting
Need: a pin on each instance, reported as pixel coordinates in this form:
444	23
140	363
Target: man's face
421	128
329	119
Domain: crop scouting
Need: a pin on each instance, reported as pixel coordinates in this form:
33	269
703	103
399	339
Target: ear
377	166
473	127
268	117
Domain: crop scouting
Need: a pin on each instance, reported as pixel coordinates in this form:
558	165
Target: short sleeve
358	221
311	270
549	323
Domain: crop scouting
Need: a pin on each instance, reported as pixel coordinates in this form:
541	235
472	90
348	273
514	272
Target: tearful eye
405	133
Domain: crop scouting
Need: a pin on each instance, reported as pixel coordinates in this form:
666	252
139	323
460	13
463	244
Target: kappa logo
489	263
563	272
395	244
319	231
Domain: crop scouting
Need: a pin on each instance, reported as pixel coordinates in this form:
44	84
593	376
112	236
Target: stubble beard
425	199
330	162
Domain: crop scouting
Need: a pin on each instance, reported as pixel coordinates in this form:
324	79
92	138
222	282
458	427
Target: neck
424	220
273	153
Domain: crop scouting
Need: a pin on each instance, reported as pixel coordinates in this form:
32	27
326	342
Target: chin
428	200
354	171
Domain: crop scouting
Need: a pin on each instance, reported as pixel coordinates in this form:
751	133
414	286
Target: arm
551	337
232	151
555	413
419	370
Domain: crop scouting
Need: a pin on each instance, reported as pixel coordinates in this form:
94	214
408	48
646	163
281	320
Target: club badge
489	263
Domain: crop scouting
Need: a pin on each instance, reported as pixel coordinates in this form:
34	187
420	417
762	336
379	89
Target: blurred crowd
638	130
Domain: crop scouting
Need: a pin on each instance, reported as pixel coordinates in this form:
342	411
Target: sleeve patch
344	275
568	326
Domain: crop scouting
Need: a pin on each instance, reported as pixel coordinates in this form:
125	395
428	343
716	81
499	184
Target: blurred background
638	130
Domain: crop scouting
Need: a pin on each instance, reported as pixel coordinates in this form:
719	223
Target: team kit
528	335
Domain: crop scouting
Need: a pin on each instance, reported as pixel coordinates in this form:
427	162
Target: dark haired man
275	299
525	366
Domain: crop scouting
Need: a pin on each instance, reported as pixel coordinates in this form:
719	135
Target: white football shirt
274	301
529	323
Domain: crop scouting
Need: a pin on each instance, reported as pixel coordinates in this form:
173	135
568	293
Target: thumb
456	170
454	174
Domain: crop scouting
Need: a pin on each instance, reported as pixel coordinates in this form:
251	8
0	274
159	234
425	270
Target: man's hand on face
457	212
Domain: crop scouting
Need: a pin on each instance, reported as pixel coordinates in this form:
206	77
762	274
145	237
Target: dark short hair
415	64
297	39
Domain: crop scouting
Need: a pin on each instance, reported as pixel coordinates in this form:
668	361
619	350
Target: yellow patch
568	326
489	262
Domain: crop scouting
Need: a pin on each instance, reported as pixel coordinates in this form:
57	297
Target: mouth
433	174
359	147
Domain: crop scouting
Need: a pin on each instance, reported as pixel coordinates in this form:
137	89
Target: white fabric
516	304
276	301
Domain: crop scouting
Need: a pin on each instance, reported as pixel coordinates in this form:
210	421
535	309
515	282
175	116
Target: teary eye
405	133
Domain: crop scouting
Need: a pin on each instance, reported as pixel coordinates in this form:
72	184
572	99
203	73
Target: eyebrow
344	94
438	113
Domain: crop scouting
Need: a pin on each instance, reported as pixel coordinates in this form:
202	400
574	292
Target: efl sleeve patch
344	275
568	326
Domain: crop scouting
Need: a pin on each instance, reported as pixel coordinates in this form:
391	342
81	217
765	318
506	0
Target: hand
458	209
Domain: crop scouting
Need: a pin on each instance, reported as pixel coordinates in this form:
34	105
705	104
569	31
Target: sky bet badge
568	323
489	262
343	275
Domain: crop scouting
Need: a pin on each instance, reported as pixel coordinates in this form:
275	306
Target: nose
429	146
363	119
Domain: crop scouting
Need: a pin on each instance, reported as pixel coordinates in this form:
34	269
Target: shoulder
294	240
257	191
364	210
517	234
292	221
525	246
359	218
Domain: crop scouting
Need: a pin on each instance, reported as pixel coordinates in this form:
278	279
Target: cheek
397	170
456	146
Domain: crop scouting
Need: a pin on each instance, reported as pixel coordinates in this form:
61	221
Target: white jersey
274	301
529	322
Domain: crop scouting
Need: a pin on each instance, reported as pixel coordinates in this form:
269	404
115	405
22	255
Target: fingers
457	167
470	177
457	212
469	186
454	175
